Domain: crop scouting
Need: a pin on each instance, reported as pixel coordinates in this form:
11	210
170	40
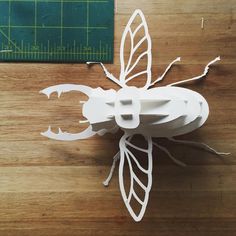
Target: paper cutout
126	154
157	112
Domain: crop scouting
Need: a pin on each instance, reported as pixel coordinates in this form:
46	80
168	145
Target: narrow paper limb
199	145
165	72
180	163
115	159
107	73
197	77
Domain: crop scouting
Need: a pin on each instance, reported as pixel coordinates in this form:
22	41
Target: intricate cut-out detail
127	69
158	112
127	155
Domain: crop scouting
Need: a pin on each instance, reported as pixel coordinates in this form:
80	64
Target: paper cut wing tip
138	11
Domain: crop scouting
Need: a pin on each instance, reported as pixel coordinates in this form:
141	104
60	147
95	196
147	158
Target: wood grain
53	188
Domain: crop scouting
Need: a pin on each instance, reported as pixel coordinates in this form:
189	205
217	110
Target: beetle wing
128	68
135	165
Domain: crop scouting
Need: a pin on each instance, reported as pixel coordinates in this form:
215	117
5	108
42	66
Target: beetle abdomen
171	111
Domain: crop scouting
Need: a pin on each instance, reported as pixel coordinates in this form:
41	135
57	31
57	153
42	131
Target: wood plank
52	188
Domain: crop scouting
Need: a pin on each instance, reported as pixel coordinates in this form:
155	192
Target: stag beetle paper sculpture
166	112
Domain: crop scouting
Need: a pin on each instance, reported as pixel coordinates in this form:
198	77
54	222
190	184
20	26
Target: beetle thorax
127	108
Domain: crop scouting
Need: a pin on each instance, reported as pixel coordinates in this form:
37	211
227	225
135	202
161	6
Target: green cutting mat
56	30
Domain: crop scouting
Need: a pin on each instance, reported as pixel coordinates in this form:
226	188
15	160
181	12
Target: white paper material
151	112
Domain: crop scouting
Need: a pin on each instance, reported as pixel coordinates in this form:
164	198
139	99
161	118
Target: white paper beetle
158	112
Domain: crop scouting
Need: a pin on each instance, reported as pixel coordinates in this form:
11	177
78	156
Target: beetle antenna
197	77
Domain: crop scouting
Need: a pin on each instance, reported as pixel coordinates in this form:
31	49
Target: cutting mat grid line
56	30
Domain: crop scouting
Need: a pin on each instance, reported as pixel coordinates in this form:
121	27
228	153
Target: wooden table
54	188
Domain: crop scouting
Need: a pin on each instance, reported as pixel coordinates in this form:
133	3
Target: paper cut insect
166	111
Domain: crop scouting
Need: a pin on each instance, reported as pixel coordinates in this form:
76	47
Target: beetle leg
197	77
178	162
115	159
160	78
107	73
199	145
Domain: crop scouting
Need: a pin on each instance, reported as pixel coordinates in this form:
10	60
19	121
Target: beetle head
92	110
